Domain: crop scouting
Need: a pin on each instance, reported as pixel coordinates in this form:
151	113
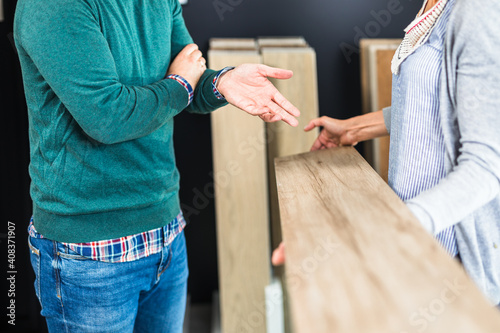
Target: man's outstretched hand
248	88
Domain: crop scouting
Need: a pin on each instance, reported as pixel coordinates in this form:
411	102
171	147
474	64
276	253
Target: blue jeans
82	295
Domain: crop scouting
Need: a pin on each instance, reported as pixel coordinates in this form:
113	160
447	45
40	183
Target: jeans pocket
35	263
65	252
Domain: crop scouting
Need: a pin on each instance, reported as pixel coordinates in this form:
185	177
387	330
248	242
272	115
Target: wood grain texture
283	139
298	41
241	202
383	98
233	44
365	45
376	91
359	262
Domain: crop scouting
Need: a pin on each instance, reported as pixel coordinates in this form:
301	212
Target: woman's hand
348	132
189	64
334	134
278	257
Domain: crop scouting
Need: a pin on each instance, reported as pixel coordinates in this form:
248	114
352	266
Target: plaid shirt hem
127	248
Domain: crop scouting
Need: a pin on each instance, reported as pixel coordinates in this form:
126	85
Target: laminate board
365	44
358	260
376	89
233	44
283	139
241	202
298	41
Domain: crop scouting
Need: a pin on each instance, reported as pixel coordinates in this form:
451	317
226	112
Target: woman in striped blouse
444	159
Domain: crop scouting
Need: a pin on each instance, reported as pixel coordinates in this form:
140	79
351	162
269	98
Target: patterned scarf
417	33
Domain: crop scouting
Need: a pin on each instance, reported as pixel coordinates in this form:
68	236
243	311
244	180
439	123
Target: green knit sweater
101	113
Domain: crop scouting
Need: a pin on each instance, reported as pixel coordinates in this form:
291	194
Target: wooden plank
380	75
376	89
365	45
233	44
383	99
283	139
380	57
240	173
281	42
357	259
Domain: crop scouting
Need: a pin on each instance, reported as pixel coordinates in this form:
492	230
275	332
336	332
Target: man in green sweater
103	81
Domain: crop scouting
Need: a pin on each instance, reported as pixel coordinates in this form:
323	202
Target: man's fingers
276	73
190	48
286	104
196	55
270	118
276	117
290	120
255	110
287	118
277	113
266	117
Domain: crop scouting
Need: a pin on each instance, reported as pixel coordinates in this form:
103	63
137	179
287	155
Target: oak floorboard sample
241	203
302	91
295	54
233	44
359	262
298	41
376	90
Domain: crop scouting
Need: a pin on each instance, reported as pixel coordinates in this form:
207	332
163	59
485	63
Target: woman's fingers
318	122
278	257
316	145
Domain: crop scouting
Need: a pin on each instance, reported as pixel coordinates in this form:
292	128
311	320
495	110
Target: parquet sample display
302	91
233	44
249	146
241	190
281	42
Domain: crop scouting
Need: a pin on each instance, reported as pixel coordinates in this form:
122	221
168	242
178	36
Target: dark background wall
332	27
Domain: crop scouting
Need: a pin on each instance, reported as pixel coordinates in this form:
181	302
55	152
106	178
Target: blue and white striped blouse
417	152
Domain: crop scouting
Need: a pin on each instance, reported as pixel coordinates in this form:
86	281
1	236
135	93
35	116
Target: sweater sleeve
65	43
472	62
204	100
